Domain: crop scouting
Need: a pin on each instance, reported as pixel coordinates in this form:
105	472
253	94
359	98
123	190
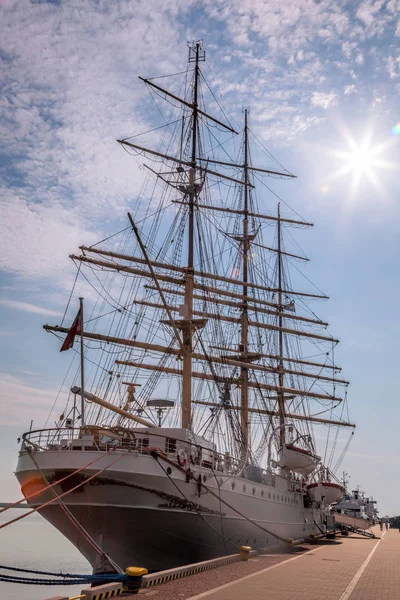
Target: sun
363	161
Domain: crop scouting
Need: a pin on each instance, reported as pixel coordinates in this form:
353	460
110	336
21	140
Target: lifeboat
297	459
325	491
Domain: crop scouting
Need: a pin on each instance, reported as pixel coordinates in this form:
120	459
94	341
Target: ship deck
348	568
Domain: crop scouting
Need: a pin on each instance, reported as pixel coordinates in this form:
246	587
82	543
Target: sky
322	81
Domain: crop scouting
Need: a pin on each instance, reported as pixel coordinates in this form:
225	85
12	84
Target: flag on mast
289	306
74	330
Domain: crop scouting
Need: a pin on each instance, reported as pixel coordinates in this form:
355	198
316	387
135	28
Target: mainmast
192	193
281	396
244	341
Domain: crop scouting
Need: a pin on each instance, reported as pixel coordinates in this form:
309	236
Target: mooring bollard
244	552
133	581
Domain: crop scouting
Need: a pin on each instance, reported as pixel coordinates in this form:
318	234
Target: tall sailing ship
206	403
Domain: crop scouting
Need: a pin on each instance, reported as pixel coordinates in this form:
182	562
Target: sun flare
363	161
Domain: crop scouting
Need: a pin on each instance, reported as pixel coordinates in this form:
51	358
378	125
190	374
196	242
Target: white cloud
323	99
69	92
70	89
31	308
36	238
349	89
393	66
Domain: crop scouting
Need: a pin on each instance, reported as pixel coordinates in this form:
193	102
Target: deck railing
90	439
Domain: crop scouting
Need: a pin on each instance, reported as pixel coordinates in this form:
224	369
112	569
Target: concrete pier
348	568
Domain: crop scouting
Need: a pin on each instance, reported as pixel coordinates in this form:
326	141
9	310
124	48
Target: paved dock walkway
352	568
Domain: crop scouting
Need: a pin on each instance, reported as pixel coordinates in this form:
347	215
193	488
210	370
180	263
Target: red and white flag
74	330
290	306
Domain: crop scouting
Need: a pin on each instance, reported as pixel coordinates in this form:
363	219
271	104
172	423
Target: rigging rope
34	494
61	495
156	455
75	521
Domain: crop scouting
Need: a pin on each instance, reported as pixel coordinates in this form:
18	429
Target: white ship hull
140	516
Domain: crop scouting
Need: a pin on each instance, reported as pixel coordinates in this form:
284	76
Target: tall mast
244	341
281	398
82	364
192	192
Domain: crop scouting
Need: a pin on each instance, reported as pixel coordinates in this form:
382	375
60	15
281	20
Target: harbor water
32	543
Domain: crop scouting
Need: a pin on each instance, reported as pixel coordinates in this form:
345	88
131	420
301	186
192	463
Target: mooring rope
113	576
62	495
69	581
76	523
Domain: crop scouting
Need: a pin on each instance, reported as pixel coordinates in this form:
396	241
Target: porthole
233	485
273	497
269	494
244	487
281	498
254	491
169	470
262	493
204	478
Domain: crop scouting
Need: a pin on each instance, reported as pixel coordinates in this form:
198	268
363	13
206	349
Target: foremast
193	189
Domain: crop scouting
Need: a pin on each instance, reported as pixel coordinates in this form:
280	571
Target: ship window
281	498
233	485
262	493
170	446
273	497
269	494
244	488
254	491
143	442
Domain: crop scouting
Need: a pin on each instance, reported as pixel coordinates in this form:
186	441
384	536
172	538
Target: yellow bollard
134	582
244	552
